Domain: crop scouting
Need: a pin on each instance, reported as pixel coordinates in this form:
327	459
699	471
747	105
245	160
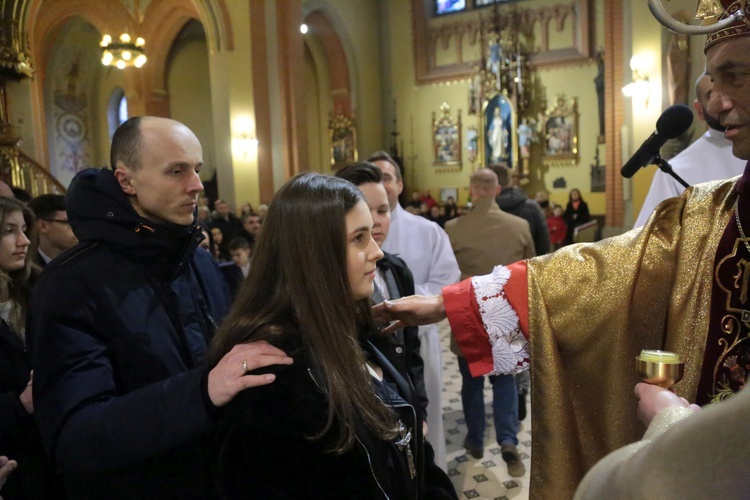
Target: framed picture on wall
446	193
560	131
446	138
343	133
498	127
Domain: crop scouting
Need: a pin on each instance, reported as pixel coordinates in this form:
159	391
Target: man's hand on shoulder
6	467
230	375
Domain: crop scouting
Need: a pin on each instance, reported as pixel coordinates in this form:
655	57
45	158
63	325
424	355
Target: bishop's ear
123	176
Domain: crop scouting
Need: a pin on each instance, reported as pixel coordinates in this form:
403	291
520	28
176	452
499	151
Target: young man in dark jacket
121	323
514	201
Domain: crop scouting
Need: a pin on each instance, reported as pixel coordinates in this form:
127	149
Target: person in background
451	209
262	211
204	215
245	209
576	213
240	250
513	200
482	239
221	250
224	219
426	249
19	435
251	224
708	158
557	227
415	201
52	227
341	419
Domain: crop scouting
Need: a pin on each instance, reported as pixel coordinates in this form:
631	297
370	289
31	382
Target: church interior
417	78
563	92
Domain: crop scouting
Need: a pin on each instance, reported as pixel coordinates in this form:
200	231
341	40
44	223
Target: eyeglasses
61	221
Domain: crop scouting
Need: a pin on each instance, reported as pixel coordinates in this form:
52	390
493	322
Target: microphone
673	122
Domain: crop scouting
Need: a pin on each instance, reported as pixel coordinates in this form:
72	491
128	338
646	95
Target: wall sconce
244	145
640	87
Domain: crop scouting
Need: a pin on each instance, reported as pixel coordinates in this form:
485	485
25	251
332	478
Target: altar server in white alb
426	249
709	158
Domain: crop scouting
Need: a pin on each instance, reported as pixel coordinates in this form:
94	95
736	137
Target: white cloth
707	159
427	251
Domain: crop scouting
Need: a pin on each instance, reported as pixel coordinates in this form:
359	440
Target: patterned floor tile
488	477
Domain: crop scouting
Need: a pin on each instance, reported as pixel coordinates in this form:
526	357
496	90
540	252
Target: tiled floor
486	478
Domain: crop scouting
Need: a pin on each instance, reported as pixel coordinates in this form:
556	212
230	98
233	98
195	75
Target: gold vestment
593	307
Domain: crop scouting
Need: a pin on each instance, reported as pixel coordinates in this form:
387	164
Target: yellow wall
649	37
190	95
233	111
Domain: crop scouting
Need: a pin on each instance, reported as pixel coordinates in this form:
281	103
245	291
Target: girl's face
206	243
362	252
575	195
14	244
216	233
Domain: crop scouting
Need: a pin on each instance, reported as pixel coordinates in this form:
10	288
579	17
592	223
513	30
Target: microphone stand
665	167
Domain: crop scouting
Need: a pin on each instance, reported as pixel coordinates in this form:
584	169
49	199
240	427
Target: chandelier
123	53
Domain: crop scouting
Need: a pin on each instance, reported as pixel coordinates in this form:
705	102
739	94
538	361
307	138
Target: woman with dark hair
576	214
341	421
19	438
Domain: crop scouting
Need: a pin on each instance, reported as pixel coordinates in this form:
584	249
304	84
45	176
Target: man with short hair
122	393
53	228
708	158
250	228
482	239
513	200
224	219
425	248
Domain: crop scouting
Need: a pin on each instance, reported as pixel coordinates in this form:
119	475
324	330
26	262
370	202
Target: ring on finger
244	365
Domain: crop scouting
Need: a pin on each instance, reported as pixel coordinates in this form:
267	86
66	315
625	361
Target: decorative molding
433	34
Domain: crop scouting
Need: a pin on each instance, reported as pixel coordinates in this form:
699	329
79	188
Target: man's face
222	208
252	224
377	202
55	232
704	88
165	187
391	182
728	65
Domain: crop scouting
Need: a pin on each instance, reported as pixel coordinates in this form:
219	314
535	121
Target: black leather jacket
263	450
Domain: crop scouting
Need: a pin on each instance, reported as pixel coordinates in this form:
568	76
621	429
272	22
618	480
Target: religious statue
526	136
494	61
498	136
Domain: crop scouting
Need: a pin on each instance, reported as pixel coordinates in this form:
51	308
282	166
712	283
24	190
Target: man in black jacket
121	323
514	201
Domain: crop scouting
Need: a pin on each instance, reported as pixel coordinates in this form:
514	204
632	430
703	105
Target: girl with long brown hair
339	422
19	437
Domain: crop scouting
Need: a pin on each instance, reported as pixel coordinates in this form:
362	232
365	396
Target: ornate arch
341	87
159	25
